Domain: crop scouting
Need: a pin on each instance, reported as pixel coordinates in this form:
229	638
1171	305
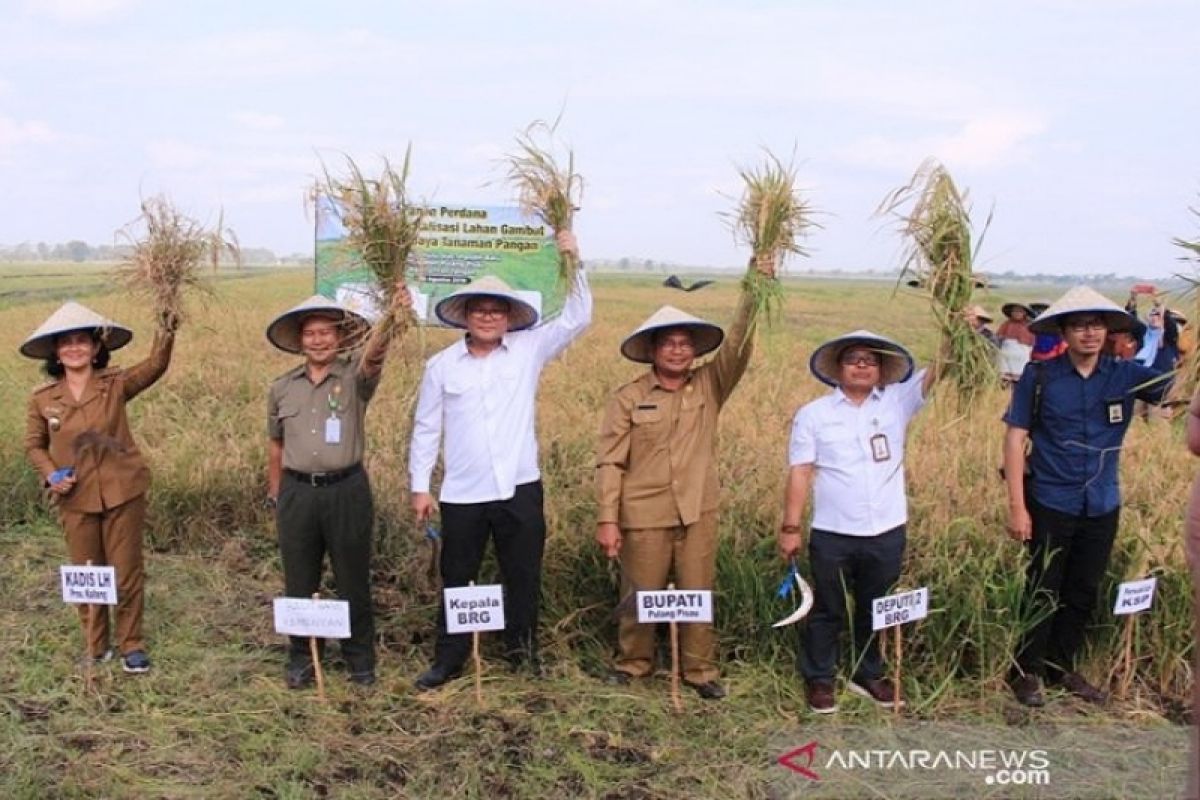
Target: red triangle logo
801	760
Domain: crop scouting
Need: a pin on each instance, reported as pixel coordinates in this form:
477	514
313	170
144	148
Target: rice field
214	720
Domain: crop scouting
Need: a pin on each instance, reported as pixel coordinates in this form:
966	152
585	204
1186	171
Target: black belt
324	478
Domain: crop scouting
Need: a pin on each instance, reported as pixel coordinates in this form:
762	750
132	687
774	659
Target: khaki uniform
656	477
325	504
104	513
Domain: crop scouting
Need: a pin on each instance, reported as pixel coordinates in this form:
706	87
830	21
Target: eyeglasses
1081	325
676	344
488	312
859	360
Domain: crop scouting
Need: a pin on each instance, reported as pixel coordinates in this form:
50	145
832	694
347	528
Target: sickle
806	600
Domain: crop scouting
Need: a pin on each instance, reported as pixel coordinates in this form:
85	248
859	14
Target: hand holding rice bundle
937	225
546	189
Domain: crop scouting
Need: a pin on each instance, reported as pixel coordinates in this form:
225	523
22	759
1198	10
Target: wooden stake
89	656
896	699
478	664
316	660
1127	657
675	699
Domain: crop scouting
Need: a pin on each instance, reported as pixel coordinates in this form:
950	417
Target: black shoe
709	690
1028	690
435	676
617	677
1077	685
364	677
299	676
136	662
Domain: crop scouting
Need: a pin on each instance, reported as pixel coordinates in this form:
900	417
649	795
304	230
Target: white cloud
80	11
984	142
258	121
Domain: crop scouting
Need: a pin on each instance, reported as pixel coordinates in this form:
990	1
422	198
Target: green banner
459	243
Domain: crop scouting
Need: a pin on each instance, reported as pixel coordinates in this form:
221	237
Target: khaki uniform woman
77	437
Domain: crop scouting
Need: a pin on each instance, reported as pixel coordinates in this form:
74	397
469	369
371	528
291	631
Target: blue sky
1075	119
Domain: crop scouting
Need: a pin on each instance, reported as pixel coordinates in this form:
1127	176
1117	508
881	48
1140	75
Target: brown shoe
820	697
1028	690
879	690
1077	685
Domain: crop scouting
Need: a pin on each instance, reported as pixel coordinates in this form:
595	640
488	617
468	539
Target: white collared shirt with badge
485	409
858	453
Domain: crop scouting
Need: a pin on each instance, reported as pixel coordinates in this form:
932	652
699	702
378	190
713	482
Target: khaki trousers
111	538
647	558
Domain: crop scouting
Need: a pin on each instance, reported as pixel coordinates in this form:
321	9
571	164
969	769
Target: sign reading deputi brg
675	605
299	616
458	243
88	585
474	608
1135	596
897	609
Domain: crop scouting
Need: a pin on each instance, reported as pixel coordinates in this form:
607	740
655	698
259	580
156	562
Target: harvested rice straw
939	257
771	218
383	226
545	188
167	257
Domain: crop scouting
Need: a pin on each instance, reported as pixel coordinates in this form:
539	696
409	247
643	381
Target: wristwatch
270	502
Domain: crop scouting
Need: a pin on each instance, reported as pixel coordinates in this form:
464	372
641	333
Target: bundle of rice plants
546	188
168	251
382	225
771	218
935	220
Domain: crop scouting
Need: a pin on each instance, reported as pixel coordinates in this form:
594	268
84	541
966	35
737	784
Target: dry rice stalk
939	257
545	188
771	218
383	226
167	257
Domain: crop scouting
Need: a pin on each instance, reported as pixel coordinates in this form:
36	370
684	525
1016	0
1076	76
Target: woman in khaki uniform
77	438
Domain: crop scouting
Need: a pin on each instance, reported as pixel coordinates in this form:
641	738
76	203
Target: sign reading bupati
1135	596
458	244
326	619
897	609
474	608
675	605
86	585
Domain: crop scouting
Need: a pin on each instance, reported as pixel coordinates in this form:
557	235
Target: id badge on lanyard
333	425
879	448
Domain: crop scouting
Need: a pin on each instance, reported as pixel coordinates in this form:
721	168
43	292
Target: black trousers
518	528
337	520
1068	557
863	567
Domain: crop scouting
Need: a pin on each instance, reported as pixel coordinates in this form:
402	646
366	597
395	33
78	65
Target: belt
324	478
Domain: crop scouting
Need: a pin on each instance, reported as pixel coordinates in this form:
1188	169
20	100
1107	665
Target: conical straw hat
284	330
72	316
452	310
1008	308
896	363
639	345
1080	300
981	313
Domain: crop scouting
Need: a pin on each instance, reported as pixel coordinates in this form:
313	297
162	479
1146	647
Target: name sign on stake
675	605
1135	596
300	616
897	609
95	585
474	608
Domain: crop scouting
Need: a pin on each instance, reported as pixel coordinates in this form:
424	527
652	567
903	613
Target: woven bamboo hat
981	313
452	310
70	317
1081	300
1008	308
639	345
896	363
284	330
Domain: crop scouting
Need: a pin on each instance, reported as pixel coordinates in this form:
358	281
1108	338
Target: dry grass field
214	719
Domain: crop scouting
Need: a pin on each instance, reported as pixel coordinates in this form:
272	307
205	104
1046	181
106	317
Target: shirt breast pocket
646	423
837	444
285	414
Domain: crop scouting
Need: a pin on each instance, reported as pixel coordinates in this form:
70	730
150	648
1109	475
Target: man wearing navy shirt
1074	409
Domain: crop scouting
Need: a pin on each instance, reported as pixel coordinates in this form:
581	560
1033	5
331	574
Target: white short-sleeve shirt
859	485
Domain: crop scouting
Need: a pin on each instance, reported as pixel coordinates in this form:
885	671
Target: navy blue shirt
1078	434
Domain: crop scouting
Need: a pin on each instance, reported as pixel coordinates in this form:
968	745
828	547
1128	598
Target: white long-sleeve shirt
859	486
485	407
